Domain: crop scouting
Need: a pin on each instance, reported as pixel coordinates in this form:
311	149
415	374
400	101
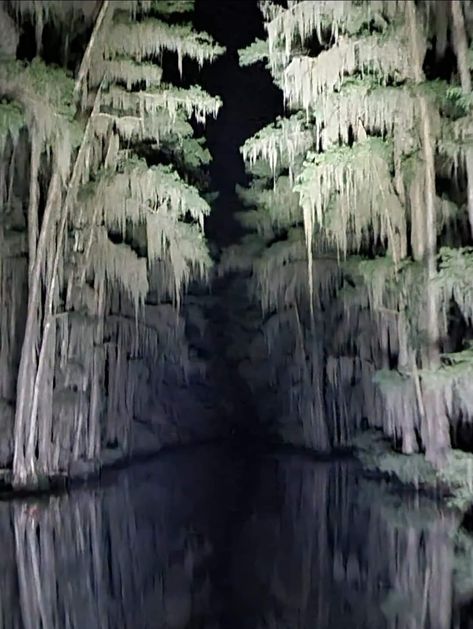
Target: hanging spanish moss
357	219
98	247
355	251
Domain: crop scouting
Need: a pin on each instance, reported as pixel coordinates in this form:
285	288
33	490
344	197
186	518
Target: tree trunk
39	382
435	435
460	44
21	467
48	319
33	201
93	446
315	428
416	202
87	58
30	376
45	410
435	428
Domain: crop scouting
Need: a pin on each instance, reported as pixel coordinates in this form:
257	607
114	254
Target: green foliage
389	379
151	36
379	276
410	165
191	101
169	7
362	106
106	231
372	269
189	153
280	143
196	154
376	55
448	99
350	167
260	170
455	265
277	203
345	156
38	82
157	198
256	221
454	277
455	368
159	126
376	455
457	98
347	191
12	119
328	19
465	357
257	51
131	72
135	189
463	563
121	266
454	479
241	257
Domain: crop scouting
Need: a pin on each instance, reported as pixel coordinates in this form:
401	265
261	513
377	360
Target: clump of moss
453	481
12	119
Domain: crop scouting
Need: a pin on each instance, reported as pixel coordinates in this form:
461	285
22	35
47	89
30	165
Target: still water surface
208	539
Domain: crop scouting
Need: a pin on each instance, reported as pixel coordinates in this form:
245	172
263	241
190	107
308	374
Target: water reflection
209	540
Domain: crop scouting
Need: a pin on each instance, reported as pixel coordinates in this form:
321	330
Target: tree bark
30	376
93	446
28	350
435	428
48	319
87	58
33	201
436	433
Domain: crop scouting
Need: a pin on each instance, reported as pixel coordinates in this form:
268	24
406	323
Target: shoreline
371	451
451	484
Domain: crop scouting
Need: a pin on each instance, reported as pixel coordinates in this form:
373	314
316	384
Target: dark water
206	538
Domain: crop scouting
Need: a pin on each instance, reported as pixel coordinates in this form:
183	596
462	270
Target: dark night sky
250	101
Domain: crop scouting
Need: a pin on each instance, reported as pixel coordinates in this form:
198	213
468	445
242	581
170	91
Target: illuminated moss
257	51
12	119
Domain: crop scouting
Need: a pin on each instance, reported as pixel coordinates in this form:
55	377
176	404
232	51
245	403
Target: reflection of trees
312	548
125	556
335	554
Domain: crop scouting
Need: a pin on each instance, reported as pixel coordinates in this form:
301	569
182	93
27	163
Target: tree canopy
114	223
360	198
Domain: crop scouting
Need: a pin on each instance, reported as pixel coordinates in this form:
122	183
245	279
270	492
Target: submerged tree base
453	481
41	483
83	471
